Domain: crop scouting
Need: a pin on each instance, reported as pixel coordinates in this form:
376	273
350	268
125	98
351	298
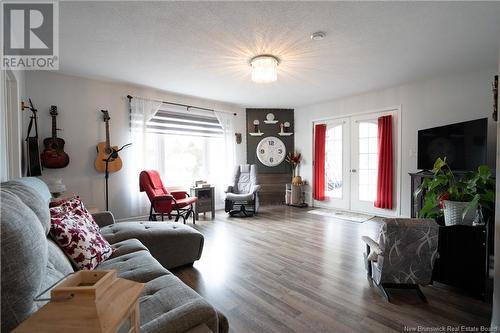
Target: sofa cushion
31	198
127	246
239	197
38	185
30	264
172	244
74	229
137	266
23	260
168	305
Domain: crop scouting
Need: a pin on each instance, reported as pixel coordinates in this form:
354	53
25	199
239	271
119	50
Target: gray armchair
242	197
404	255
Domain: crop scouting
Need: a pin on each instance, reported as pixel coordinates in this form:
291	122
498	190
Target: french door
337	152
351	163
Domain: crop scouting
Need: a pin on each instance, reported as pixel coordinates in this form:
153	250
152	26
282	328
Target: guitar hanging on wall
34	168
53	156
104	149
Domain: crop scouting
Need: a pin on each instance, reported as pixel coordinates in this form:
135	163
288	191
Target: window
368	161
185	147
333	161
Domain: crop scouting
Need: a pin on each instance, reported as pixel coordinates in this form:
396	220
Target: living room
325	119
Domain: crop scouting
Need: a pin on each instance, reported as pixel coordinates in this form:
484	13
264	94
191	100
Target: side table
206	200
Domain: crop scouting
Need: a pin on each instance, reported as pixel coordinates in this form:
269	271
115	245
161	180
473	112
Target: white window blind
189	123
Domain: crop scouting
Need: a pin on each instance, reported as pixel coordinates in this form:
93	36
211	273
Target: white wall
424	104
79	101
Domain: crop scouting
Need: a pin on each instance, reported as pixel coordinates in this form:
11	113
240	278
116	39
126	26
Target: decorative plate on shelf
270	119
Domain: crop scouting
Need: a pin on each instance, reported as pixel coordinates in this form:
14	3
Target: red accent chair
163	202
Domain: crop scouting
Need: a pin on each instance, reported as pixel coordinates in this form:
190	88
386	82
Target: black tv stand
464	250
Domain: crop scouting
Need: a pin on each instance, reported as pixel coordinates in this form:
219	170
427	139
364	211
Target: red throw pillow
76	232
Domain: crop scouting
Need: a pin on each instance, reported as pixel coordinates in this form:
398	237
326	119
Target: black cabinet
463	250
463	258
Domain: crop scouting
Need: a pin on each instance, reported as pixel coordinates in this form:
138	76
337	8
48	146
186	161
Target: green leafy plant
477	188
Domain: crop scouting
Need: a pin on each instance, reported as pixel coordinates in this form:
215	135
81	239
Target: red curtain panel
319	161
385	164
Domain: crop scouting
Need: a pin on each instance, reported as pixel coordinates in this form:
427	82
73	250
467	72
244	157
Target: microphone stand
111	156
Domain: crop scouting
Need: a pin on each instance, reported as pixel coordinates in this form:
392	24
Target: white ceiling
203	48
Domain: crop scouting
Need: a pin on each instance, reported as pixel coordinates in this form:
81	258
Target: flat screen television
463	144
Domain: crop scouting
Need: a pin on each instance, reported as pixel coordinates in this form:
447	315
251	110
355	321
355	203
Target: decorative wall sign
495	98
238	137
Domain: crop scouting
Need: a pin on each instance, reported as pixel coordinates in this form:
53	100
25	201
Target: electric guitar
104	150
53	156
34	168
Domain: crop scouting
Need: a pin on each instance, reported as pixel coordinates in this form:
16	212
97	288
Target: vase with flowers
294	160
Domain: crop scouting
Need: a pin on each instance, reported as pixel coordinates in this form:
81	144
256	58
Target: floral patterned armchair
404	255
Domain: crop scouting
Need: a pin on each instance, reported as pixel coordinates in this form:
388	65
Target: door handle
353	170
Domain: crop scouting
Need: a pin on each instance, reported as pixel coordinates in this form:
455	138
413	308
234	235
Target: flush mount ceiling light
318	35
264	68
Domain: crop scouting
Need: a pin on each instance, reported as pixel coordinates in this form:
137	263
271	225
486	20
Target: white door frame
397	112
13	121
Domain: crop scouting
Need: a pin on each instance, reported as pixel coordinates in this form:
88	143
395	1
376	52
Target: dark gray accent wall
282	115
271	179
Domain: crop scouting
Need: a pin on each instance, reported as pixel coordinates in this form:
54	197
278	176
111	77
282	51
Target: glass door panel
368	161
364	162
333	164
337	153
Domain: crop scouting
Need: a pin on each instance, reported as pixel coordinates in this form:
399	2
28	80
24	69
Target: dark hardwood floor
290	271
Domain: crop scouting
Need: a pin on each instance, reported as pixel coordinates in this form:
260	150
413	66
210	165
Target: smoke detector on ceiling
318	35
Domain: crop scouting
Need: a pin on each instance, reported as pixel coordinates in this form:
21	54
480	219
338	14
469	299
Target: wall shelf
256	134
285	133
270	121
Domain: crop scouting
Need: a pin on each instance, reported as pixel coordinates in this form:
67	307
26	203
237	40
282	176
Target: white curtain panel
143	152
228	153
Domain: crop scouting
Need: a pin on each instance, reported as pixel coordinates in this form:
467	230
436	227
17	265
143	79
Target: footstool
171	243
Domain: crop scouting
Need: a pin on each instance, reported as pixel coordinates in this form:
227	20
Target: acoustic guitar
53	156
104	150
34	168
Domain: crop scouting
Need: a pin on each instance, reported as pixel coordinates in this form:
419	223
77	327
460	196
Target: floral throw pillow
76	232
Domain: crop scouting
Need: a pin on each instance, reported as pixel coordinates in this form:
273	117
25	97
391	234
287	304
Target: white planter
453	211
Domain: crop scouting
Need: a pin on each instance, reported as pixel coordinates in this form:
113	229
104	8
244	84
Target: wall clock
271	151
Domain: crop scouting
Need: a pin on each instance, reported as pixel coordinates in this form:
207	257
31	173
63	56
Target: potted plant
294	160
458	199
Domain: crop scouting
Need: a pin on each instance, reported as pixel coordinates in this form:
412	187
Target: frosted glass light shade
264	69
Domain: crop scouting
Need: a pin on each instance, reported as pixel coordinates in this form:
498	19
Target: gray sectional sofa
31	262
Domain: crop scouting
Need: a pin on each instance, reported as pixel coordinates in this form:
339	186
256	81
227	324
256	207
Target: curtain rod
187	106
